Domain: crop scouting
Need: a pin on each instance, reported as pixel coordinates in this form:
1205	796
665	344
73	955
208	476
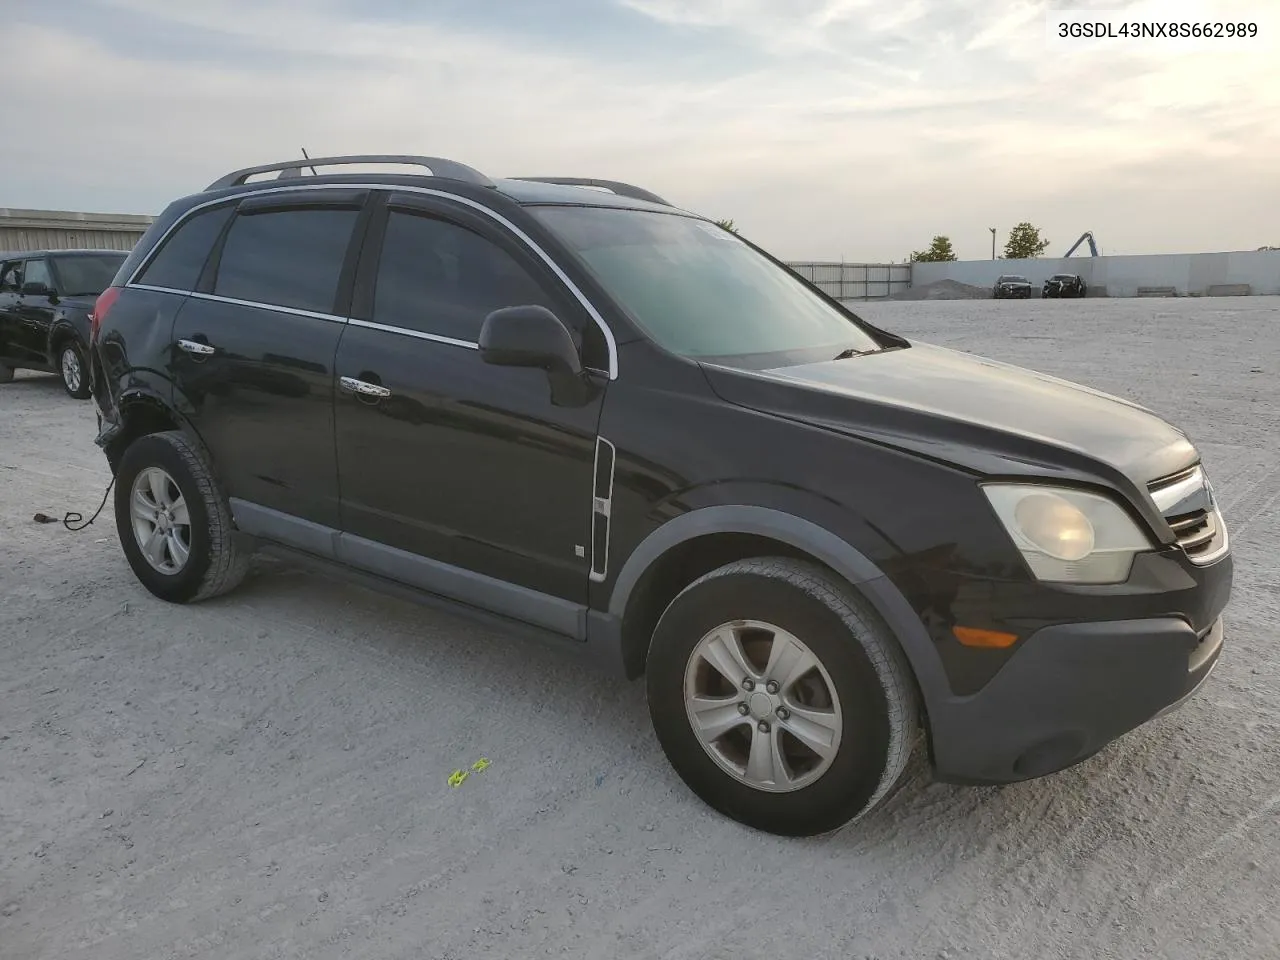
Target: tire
873	707
6	373
216	559
73	370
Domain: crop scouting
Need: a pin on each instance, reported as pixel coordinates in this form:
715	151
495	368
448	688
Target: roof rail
616	186
438	166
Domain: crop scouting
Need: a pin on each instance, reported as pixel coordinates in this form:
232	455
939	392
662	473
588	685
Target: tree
1024	243
728	225
939	250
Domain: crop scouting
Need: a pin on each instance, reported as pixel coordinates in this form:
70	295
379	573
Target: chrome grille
1186	501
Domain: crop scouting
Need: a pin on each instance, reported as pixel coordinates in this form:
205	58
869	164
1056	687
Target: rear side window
87	276
182	257
287	258
437	277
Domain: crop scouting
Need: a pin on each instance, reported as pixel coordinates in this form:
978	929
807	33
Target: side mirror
36	289
532	336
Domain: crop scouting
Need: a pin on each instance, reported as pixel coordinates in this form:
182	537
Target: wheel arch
143	412
711	536
62	331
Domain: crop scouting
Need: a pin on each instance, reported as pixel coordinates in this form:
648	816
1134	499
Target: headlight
1068	535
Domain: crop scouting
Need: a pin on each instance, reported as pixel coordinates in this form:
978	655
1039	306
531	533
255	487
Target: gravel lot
265	775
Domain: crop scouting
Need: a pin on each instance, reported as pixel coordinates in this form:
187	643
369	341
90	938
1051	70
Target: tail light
100	308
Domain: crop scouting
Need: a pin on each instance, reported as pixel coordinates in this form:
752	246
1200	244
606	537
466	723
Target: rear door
459	461
252	357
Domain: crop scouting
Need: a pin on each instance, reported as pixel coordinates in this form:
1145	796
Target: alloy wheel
72	375
763	706
161	520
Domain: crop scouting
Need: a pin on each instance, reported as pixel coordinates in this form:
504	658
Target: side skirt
508	607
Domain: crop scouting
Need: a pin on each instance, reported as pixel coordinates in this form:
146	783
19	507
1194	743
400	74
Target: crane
1093	247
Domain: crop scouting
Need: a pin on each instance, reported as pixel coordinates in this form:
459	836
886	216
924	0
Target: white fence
1182	274
856	281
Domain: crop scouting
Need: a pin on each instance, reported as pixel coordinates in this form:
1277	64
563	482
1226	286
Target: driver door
34	313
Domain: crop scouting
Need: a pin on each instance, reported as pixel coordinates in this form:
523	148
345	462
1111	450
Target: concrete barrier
1188	274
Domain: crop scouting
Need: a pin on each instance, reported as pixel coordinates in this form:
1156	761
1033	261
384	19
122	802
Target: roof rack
438	167
615	186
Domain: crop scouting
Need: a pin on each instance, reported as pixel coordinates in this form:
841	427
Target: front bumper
1070	690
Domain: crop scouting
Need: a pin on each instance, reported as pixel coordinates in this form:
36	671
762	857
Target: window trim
610	343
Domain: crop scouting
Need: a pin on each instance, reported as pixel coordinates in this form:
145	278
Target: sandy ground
265	775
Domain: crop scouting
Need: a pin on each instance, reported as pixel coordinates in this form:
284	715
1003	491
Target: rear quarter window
181	258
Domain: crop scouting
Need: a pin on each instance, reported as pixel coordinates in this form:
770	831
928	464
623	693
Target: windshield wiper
851	352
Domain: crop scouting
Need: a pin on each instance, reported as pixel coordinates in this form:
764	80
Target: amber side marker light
973	637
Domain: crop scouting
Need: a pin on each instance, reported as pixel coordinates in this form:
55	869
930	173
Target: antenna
308	156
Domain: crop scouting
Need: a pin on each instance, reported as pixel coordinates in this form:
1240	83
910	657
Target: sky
826	129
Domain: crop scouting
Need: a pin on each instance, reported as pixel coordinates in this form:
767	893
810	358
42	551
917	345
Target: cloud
823	127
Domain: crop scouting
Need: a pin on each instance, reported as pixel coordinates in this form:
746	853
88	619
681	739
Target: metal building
65	230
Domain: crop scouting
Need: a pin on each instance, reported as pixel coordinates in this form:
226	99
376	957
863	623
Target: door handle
352	385
200	349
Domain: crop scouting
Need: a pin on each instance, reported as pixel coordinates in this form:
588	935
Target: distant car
45	300
1064	285
1011	286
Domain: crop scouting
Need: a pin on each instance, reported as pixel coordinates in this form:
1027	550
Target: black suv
1064	285
575	411
1011	286
45	300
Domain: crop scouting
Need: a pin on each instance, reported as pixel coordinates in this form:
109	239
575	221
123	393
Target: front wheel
779	698
74	371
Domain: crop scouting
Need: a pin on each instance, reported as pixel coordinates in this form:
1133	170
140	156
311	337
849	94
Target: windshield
1011	278
699	291
87	275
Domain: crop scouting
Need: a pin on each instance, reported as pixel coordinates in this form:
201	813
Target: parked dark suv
1011	286
1064	285
45	300
600	420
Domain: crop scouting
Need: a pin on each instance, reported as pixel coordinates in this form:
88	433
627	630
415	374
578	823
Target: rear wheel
173	521
779	698
74	372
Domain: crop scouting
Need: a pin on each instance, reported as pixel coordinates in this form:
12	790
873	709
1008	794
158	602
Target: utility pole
993	242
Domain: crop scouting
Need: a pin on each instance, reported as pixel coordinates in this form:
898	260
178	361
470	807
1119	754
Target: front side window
37	271
700	292
11	278
437	277
86	275
287	258
181	260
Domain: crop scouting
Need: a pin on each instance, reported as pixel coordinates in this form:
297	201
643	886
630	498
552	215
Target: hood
978	414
